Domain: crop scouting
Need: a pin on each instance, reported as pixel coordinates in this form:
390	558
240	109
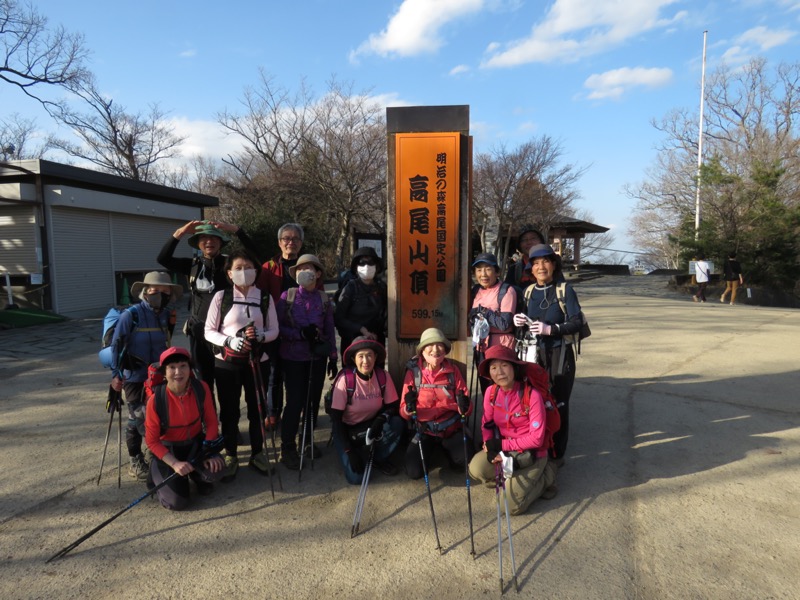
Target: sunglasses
366	263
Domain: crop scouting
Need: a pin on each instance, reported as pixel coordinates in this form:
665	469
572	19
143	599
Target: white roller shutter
137	241
81	261
18	240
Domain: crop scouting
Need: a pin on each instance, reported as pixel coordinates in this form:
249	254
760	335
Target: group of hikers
263	329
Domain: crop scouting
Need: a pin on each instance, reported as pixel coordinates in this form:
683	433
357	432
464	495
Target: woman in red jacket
189	422
434	399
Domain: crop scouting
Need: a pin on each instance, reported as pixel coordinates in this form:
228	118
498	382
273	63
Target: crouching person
364	405
180	417
435	401
519	422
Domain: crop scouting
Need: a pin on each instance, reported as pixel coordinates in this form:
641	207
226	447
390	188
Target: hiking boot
231	467
317	451
695	298
550	492
386	468
260	464
290	459
138	468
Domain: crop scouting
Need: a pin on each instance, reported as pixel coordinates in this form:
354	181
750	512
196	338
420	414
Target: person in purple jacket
308	341
513	423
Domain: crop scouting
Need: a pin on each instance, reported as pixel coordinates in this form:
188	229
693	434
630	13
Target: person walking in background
206	274
702	276
733	278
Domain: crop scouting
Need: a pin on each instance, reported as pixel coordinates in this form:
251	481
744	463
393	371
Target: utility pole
700	142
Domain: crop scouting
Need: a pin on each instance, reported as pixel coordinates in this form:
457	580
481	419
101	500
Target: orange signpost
426	232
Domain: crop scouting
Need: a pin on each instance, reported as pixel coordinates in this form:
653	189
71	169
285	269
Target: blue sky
589	73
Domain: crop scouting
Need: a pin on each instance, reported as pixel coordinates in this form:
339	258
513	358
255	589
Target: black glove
113	401
411	400
493	447
356	462
463	402
309	333
375	431
332	369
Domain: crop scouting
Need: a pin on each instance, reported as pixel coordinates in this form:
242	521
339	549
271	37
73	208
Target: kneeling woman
174	431
364	403
434	398
515	410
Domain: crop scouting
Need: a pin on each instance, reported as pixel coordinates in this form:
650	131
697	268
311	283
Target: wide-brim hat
157	278
540	250
432	336
362	343
207	229
486	257
174	354
306	259
498	352
368	252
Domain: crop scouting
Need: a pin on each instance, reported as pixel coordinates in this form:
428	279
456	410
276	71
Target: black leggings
562	390
304	380
230	381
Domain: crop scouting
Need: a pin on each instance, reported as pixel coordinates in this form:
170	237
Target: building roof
576	225
57	173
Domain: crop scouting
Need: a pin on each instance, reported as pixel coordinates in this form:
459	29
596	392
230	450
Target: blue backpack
106	354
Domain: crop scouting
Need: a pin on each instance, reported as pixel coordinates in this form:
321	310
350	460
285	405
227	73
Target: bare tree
35	56
122	143
18	139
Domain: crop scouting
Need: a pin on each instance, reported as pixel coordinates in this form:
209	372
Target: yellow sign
426	230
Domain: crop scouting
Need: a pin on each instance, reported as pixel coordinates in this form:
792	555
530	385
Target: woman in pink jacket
434	399
514	423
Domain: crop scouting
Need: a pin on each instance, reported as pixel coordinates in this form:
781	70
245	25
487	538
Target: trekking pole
307	423
469	493
256	368
418	428
508	528
472	390
207	450
362	493
119	441
261	389
497	475
111	406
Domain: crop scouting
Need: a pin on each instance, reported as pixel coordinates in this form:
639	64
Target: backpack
156	386
561	292
537	378
413	366
106	354
291	294
224	308
349	375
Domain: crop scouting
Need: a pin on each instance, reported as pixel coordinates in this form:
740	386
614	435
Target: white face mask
244	277
366	272
306	277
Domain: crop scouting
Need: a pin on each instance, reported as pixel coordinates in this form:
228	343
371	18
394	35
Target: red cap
174	353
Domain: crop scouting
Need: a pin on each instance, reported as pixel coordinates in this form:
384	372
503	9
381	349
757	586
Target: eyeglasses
288	240
366	263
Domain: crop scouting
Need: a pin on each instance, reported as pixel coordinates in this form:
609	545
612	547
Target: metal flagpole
700	142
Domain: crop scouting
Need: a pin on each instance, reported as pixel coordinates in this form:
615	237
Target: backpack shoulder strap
161	406
291	294
529	293
501	294
350	384
381	374
561	294
326	302
200	396
265	298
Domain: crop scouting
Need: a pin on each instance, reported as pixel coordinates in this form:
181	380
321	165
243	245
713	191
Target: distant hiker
733	278
361	305
702	276
515	423
141	335
364	403
190	421
519	271
433	387
240	321
206	275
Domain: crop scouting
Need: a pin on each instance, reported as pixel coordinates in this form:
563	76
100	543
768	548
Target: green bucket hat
207	229
432	336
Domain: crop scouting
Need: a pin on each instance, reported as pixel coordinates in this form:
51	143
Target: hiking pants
452	447
304	380
134	431
231	379
562	390
175	494
392	432
733	288
525	486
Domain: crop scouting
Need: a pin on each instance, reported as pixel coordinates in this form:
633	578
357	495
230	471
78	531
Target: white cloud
191	53
612	84
573	29
457	70
416	27
756	40
206	138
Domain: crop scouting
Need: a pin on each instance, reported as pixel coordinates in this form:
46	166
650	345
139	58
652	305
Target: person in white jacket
240	322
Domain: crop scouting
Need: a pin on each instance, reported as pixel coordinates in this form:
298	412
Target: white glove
261	335
520	319
235	343
539	328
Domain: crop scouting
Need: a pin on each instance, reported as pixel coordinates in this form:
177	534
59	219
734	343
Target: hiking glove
520	320
539	328
356	462
332	369
375	431
463	402
309	333
235	343
411	400
494	447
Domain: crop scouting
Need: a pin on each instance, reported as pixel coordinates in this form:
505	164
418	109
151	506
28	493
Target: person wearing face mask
240	322
519	271
308	340
206	273
434	400
361	307
144	336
